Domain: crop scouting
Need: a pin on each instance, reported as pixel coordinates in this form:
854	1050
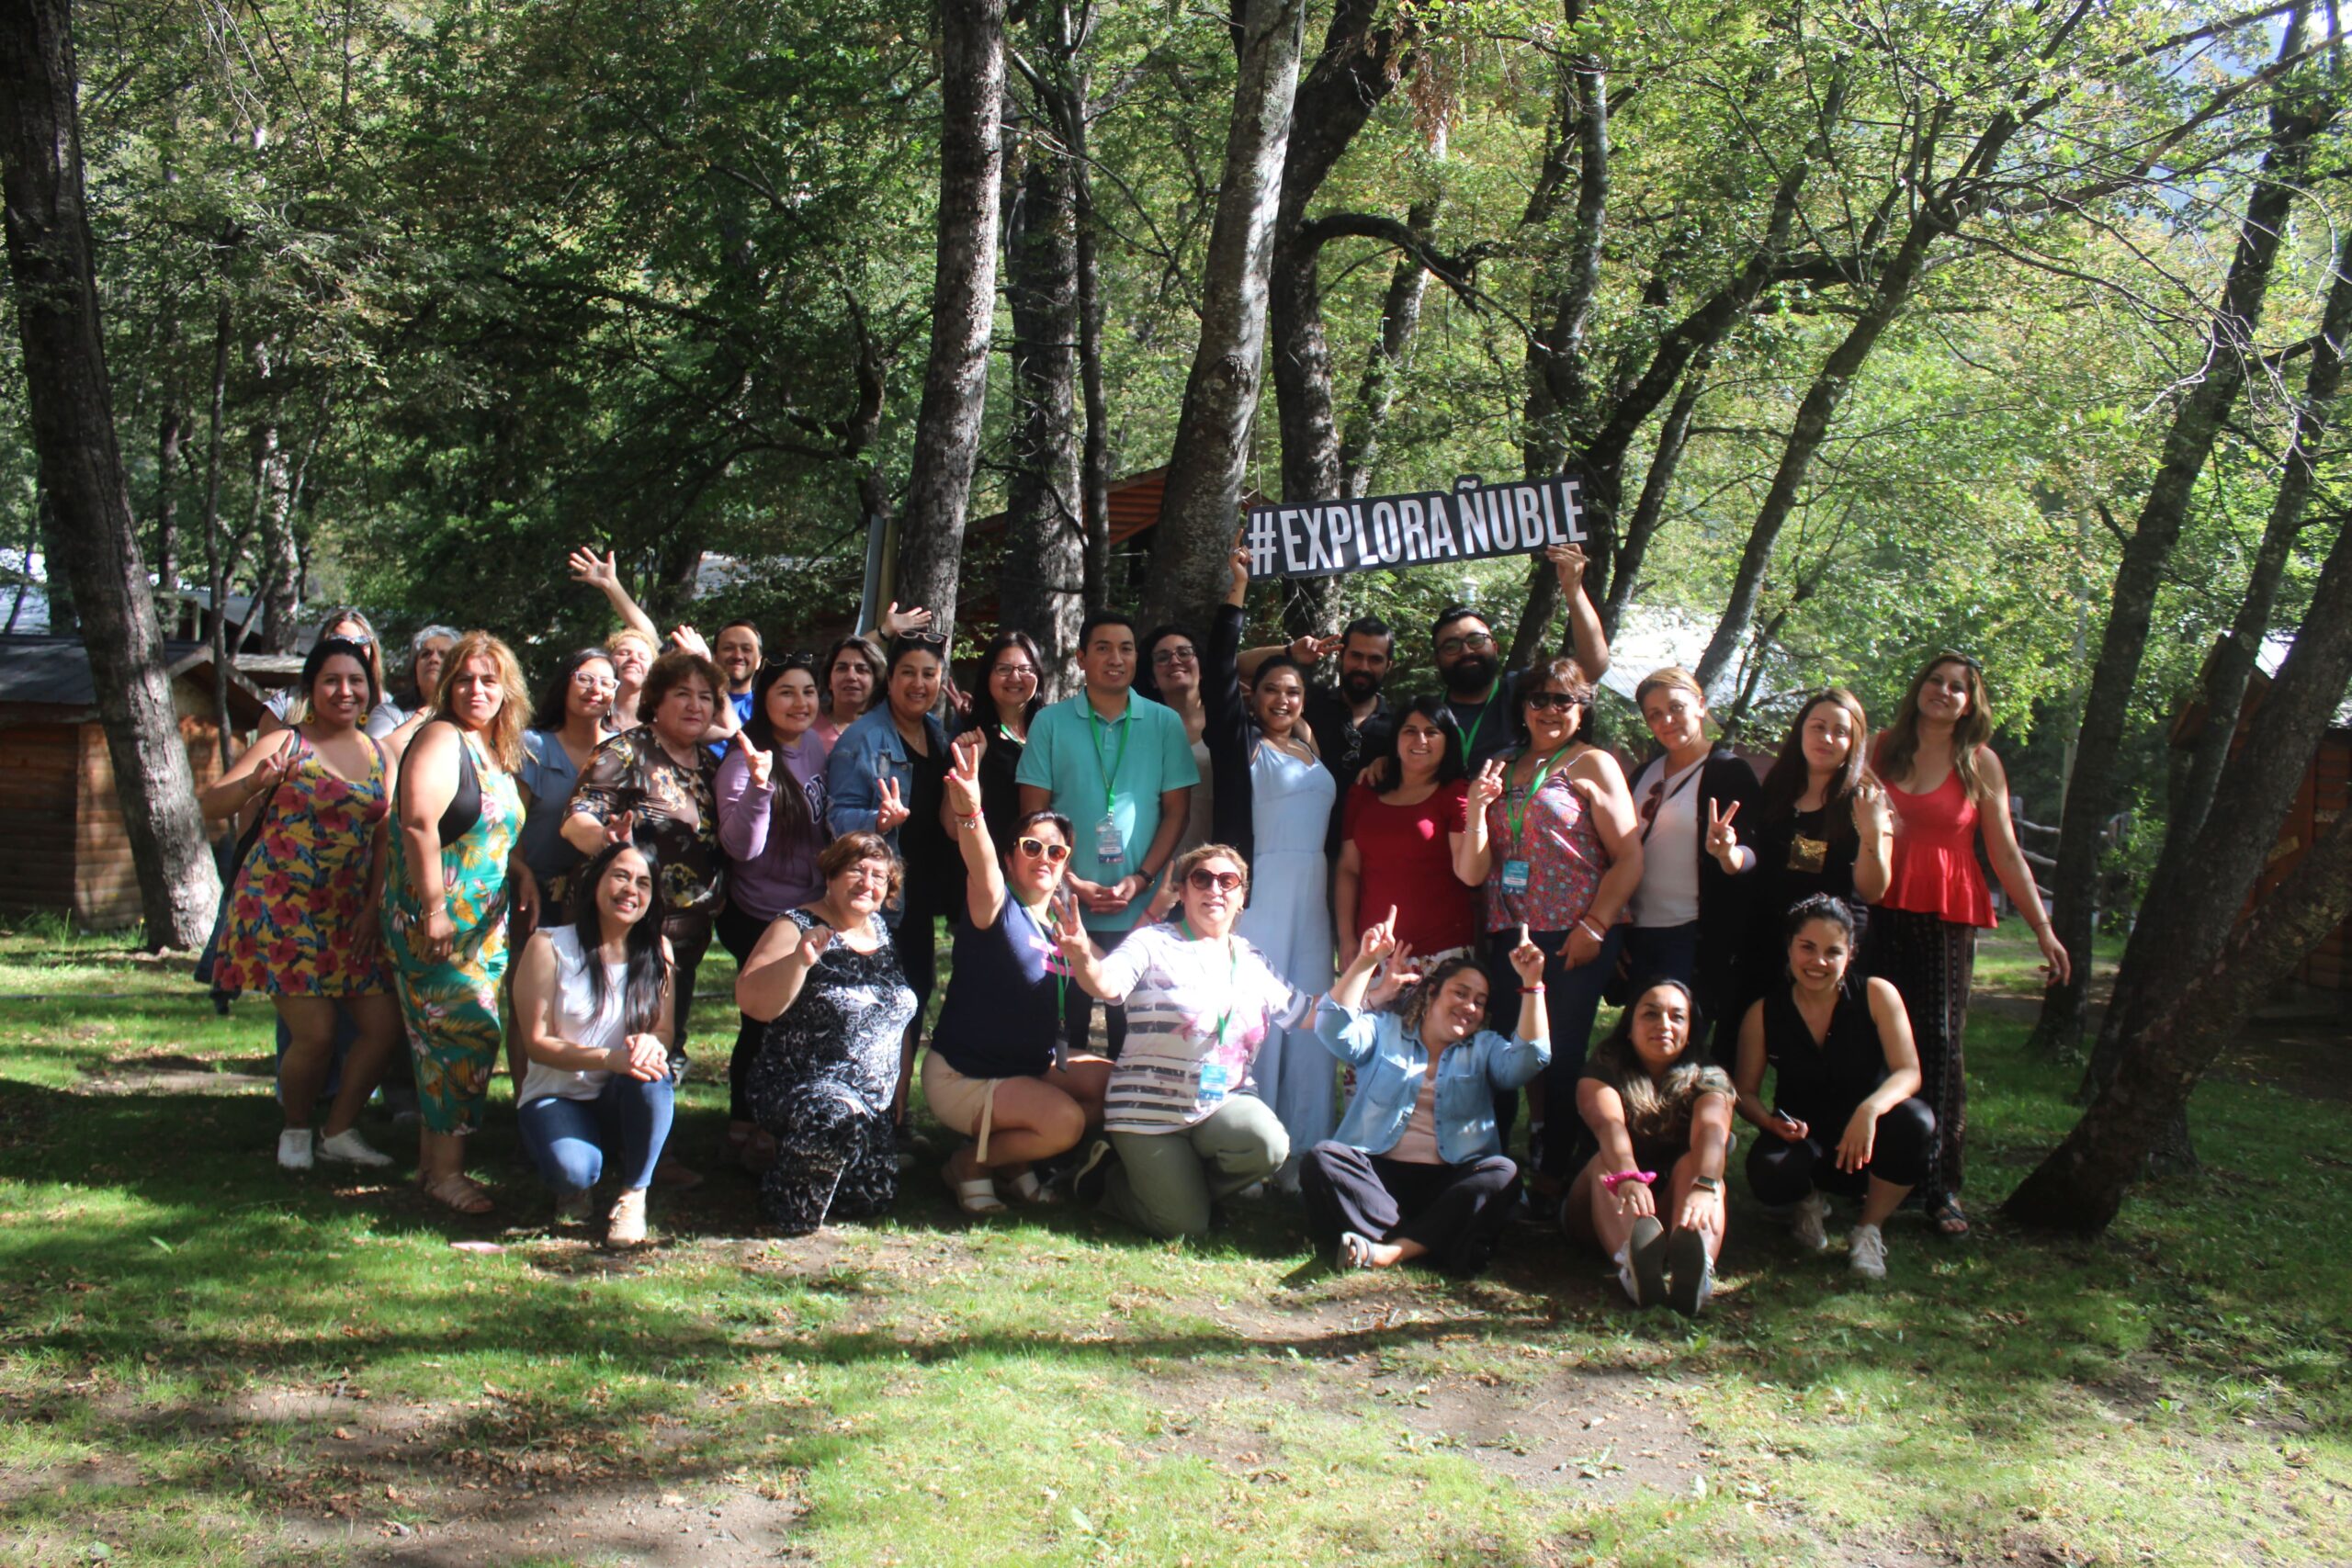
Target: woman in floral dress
458	873
302	919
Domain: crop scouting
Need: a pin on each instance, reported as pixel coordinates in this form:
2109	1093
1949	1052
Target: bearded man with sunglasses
1483	698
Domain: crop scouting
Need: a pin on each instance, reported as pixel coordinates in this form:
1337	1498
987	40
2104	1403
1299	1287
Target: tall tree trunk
1041	581
1202	505
963	306
2096	787
1349	79
217	565
280	584
72	417
1095	462
1886	300
171	430
64	611
1391	354
1673	435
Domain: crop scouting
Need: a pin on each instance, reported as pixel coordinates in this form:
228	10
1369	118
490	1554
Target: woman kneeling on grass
1843	1059
825	980
1185	1120
592	1007
1418	1168
999	1071
1661	1116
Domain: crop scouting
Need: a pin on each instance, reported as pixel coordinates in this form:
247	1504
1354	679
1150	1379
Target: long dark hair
1450	767
1146	681
645	977
759	731
1785	785
547	708
328	648
1901	744
1652	1108
866	648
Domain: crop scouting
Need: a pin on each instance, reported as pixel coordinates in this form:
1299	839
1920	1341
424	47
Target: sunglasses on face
1469	642
1552	702
1204	880
1037	849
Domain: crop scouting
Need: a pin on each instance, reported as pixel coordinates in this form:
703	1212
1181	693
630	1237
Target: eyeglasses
1552	702
1037	849
1015	672
1469	642
929	639
1173	656
588	683
1204	880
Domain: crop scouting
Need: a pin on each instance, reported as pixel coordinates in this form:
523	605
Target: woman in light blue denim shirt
1417	1169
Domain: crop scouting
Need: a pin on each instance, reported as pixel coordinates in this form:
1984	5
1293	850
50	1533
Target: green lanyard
1470	732
1094	733
1518	809
1232	974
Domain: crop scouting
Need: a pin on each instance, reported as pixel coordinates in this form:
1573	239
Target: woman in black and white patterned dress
825	980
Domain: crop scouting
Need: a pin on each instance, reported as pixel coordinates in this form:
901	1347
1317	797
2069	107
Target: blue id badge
1214	1076
1514	876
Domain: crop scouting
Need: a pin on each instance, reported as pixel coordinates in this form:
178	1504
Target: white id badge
1109	847
1514	876
1214	1076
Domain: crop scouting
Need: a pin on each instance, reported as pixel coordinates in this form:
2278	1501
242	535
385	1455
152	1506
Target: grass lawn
204	1361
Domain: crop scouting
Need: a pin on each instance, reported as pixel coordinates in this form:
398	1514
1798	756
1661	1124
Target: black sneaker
1693	1272
1092	1175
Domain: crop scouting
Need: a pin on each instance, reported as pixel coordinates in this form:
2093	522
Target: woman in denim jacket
1418	1167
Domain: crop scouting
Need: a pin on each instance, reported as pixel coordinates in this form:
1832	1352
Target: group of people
1218	928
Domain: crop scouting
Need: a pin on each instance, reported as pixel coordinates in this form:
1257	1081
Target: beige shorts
964	1105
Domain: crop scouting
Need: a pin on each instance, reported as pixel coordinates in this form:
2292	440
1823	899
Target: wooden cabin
67	847
2320	797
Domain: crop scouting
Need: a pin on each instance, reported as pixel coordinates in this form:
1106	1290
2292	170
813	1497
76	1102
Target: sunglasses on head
1552	702
1204	880
929	639
1052	855
1953	656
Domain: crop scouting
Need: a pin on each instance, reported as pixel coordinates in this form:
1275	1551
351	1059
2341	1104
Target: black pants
1453	1210
739	933
1783	1172
1078	1008
689	935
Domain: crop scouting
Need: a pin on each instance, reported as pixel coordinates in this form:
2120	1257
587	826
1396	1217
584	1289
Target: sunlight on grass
202	1361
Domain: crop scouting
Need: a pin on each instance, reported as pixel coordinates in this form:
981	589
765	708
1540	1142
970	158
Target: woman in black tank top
1844	1116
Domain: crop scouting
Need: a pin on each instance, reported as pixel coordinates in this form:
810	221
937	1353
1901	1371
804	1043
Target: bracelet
1610	1183
1596	932
1534	990
968	823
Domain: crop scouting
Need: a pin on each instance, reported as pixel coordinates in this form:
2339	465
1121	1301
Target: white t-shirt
1668	894
1196	1013
577	1021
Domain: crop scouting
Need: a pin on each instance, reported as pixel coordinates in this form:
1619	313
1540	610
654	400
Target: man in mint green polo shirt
1120	767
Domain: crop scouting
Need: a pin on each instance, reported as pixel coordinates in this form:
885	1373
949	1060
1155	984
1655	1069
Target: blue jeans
1663	953
570	1140
1572	998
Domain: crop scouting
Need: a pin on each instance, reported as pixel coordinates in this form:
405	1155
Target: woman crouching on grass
1418	1168
999	1071
1844	1068
592	1008
1662	1118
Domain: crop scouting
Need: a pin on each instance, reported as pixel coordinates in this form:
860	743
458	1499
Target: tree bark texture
1202	506
280	589
1041	581
1673	435
955	389
81	469
2094	787
1391	354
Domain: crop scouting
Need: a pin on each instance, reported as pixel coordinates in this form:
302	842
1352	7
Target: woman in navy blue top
999	1071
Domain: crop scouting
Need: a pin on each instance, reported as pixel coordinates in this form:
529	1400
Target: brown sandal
460	1193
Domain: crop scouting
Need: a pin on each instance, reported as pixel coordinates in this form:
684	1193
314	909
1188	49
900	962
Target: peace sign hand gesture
1070	930
964	774
1395	976
890	810
1721	842
1487	786
622	829
1311	650
272	770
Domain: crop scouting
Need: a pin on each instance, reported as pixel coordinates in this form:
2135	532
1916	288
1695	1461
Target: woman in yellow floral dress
457	875
301	916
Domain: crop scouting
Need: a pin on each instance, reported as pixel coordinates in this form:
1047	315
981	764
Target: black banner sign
1476	522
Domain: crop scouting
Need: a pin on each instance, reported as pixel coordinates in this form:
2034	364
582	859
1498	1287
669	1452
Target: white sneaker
1866	1252
1809	1223
294	1149
348	1148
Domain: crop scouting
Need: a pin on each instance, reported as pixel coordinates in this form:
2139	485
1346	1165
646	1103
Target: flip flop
1355	1250
1952	1220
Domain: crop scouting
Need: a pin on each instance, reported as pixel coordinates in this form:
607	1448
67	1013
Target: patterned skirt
1932	961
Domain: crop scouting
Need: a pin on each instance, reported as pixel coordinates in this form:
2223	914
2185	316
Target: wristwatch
1705	1184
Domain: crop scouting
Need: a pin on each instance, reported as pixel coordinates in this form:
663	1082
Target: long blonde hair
1899	747
502	735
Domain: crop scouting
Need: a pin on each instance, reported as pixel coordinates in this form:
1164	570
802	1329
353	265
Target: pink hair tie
1610	1183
